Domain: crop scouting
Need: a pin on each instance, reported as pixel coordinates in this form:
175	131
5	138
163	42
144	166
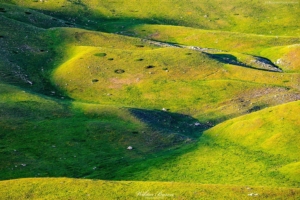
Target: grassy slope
64	188
214	91
285	56
255	149
211	87
253	17
210	91
223	40
61	138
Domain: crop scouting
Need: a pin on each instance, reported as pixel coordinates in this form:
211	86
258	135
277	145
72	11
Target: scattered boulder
129	147
252	194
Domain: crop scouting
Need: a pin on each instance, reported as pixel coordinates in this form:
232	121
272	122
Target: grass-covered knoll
256	149
269	17
63	188
32	47
153	78
274	130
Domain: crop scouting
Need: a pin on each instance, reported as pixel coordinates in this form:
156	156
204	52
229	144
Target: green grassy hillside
45	137
63	188
285	56
256	149
199	99
270	17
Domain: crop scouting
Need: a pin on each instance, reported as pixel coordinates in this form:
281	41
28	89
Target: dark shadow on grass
230	59
64	142
227	59
167	122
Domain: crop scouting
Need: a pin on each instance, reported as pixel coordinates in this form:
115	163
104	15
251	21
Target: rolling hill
191	99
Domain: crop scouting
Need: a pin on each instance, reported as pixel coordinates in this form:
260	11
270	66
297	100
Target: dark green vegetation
129	91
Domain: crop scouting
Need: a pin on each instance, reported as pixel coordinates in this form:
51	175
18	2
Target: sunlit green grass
154	78
74	98
222	40
64	188
269	17
256	149
285	56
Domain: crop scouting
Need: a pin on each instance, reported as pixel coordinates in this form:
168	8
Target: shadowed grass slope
31	46
45	137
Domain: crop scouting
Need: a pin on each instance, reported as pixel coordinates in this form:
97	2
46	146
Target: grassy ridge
50	188
223	40
235	15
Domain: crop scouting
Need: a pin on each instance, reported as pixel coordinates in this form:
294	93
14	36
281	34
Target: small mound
100	54
119	71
